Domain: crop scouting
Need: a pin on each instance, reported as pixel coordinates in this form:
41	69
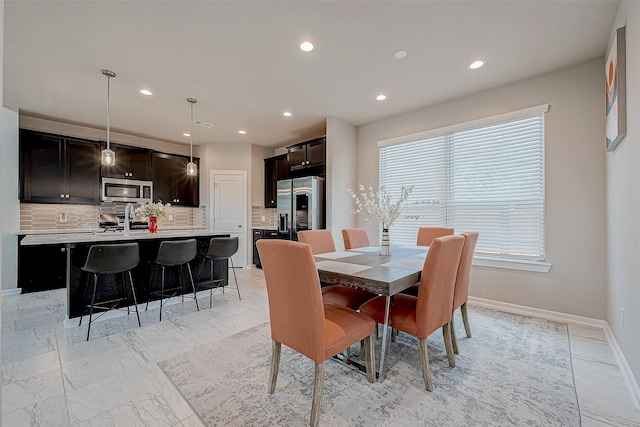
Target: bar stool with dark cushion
110	259
174	254
221	248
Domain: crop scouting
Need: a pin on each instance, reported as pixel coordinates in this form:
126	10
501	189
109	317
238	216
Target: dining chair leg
193	287
465	319
424	363
235	278
135	300
161	292
370	358
318	383
93	299
454	339
446	334
275	364
394	335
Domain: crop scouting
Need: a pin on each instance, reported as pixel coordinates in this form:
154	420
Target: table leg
385	341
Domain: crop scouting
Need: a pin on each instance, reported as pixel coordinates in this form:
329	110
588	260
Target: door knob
240	226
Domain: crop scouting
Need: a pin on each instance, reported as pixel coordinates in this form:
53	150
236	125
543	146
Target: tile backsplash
257	215
35	216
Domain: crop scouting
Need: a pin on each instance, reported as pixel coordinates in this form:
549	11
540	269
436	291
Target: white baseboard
14	291
625	370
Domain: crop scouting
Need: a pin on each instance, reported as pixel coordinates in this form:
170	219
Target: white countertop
264	227
88	237
98	230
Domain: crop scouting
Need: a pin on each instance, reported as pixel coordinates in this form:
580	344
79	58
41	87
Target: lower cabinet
41	268
258	234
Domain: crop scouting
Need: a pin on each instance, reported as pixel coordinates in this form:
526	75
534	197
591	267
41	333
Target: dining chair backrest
427	234
112	258
321	241
176	252
222	247
461	293
355	238
435	293
295	301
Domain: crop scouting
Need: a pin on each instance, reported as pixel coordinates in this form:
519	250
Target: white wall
623	205
10	207
575	184
341	175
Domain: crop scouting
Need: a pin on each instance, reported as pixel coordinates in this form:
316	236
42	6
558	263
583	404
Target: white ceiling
241	60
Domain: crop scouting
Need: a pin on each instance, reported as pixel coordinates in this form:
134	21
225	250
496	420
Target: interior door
229	200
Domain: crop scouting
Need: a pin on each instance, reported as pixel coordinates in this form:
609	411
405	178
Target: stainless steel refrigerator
300	206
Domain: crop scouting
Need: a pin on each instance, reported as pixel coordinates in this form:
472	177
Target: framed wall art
616	99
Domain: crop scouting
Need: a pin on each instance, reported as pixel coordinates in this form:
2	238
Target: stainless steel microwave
126	190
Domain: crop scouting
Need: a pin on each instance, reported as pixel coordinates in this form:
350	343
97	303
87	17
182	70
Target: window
485	176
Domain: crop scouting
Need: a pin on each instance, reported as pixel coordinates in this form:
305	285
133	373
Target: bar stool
221	248
110	259
174	254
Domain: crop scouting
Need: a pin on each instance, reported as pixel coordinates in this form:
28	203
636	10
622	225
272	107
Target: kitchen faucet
128	213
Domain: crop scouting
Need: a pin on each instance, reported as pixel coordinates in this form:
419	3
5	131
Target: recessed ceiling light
476	64
381	97
400	54
242	132
146	92
306	46
286	114
186	134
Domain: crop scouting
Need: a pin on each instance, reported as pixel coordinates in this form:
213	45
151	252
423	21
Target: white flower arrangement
378	204
152	209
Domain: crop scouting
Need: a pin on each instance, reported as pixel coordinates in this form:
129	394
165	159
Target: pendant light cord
191	133
108	92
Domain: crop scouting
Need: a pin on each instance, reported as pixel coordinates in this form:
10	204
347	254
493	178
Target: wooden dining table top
365	268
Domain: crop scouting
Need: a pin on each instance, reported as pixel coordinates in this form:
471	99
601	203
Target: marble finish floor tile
53	377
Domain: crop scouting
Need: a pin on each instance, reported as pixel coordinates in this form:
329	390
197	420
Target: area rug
515	370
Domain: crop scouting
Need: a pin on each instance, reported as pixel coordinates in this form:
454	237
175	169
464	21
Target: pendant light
192	169
108	156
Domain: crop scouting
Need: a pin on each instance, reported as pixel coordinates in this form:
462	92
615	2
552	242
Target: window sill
512	264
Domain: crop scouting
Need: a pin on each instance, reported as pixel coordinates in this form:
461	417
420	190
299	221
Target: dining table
385	275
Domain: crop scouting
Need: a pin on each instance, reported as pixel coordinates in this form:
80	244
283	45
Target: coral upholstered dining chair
321	241
431	309
301	321
355	238
461	292
427	234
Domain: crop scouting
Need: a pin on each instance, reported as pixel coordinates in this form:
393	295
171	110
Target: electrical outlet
62	217
263	218
170	217
622	315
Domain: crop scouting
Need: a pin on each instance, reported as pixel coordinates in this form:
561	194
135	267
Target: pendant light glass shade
192	168
108	157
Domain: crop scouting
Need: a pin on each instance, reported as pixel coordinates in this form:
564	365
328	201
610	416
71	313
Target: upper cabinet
57	169
275	169
171	184
307	158
131	163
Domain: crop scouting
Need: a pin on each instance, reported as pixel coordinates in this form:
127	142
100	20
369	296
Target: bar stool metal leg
135	300
235	277
93	299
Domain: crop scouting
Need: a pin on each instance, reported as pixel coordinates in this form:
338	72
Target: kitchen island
76	247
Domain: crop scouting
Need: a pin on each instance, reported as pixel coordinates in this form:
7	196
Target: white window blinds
487	177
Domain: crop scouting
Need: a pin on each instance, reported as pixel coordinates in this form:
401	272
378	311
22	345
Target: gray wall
10	204
575	184
623	205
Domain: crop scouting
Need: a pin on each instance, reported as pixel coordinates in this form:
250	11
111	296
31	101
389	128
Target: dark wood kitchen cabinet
131	163
51	271
171	184
275	169
57	169
307	158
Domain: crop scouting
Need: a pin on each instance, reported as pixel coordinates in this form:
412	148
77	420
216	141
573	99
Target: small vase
153	224
385	247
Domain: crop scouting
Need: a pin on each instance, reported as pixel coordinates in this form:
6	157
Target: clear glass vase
385	246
